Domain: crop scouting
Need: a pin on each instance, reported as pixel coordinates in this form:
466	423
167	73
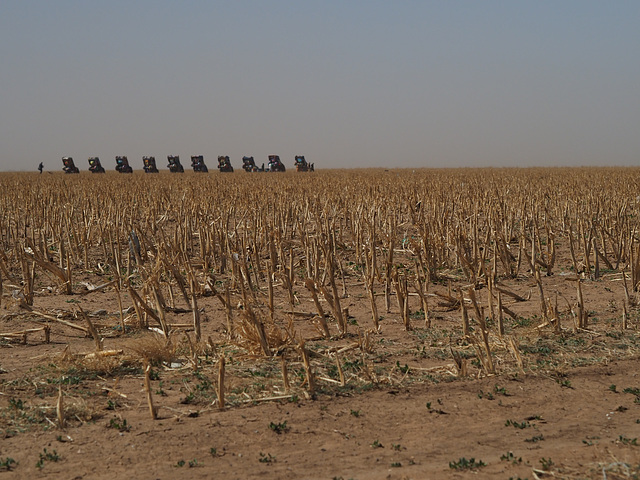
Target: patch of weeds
519	425
353	365
546	464
422	351
19	417
510	457
279	427
523	322
589	441
396	464
535	439
403	369
332	371
16	404
266	458
119	424
633	391
501	391
628	441
464	464
189	398
564	382
612	388
572	341
46	456
397	447
65	380
160	391
356	413
487	395
7	464
190	463
376	444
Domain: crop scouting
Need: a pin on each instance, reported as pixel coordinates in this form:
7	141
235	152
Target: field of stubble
345	324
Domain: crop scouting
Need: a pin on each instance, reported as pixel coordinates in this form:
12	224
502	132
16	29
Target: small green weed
546	463
7	463
521	425
403	369
46	456
510	457
120	425
487	395
16	404
628	441
279	427
464	464
266	458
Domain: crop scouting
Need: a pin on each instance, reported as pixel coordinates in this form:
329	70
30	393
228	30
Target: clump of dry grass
77	408
152	349
260	335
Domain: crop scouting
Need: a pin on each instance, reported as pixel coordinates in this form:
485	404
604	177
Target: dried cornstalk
99	341
461	363
220	390
60	408
147	387
59	320
500	316
137	300
402	295
311	383
63	273
340	371
196	313
465	316
513	345
310	285
285	373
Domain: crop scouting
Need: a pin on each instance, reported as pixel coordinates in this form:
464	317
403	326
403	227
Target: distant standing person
40	167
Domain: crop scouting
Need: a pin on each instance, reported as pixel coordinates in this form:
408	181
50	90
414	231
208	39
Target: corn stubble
267	248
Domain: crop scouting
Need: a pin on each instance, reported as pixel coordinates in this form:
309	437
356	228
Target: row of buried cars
197	163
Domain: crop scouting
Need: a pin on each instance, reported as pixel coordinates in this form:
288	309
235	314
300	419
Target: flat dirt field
354	324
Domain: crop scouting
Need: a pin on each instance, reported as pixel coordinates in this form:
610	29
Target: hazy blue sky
346	83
